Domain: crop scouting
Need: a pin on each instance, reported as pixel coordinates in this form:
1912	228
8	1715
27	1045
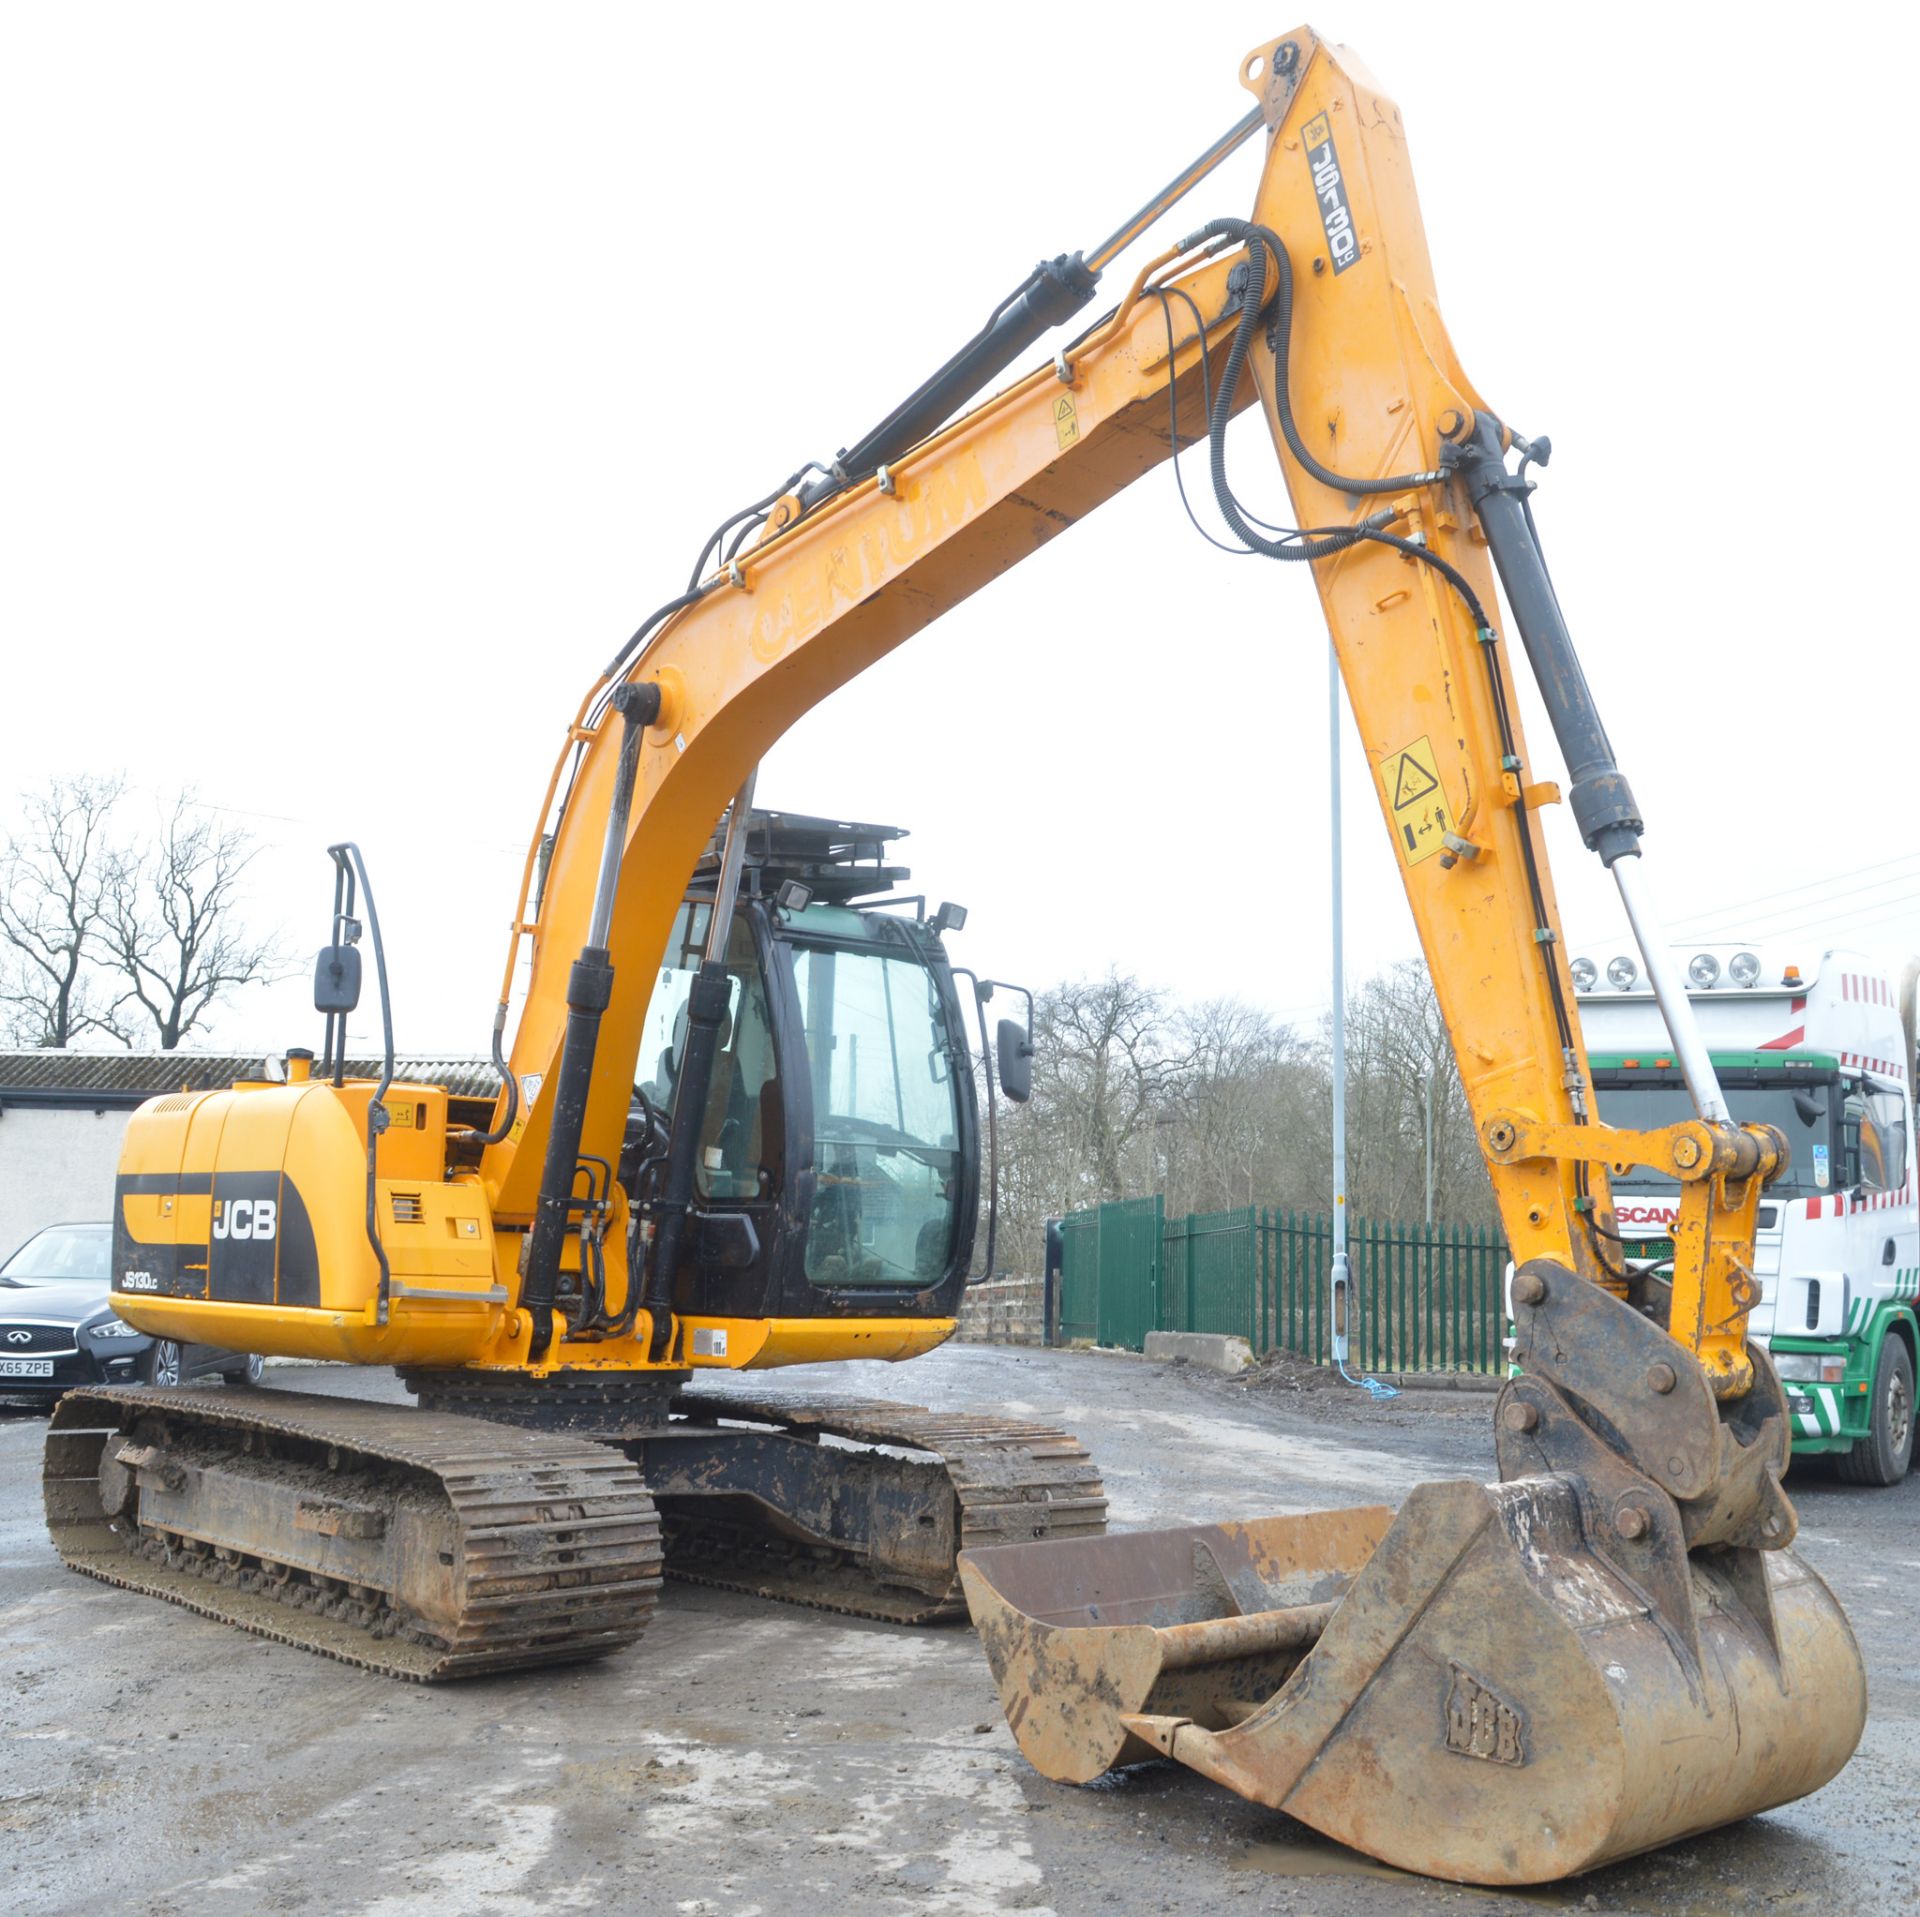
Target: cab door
740	1176
1876	1151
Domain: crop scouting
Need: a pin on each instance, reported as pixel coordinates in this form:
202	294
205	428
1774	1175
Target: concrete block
1218	1351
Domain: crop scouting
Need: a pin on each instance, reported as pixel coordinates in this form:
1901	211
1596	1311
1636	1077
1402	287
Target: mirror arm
981	993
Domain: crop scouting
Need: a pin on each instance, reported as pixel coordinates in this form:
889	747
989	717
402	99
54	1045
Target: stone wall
1004	1311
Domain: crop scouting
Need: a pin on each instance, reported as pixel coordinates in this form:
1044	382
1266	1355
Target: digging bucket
1469	1689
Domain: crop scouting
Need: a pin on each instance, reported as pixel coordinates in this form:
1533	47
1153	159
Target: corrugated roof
123	1076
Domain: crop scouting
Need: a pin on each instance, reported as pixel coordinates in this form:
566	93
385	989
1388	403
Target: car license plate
26	1367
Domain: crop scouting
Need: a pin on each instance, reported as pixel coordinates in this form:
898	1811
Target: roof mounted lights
1744	969
1703	971
1621	973
1586	975
1791	976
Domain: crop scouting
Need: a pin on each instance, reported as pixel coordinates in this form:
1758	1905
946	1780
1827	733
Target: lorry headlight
1744	968
1586	975
1702	969
1621	972
1809	1367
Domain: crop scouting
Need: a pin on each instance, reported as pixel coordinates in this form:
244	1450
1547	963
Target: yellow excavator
739	1131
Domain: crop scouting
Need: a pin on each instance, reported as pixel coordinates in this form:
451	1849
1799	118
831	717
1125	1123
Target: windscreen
64	1255
1803	1114
885	1118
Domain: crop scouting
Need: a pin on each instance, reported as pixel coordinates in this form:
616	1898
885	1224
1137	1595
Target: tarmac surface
752	1760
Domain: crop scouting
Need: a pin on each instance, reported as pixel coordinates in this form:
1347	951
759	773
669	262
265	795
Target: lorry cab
1823	1049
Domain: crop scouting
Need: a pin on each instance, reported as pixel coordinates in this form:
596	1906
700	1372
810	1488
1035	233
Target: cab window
741	1134
1874	1138
1803	1113
886	1126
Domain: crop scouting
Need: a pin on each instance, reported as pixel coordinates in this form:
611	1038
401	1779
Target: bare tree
1218	1105
1109	1061
1408	1124
59	869
1227	1122
171	928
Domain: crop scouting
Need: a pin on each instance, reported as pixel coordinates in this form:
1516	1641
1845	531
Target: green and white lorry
1826	1052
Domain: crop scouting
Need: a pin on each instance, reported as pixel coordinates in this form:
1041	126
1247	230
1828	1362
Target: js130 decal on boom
1825	1052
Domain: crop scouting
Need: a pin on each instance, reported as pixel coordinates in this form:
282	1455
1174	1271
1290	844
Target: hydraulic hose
511	1084
1252	298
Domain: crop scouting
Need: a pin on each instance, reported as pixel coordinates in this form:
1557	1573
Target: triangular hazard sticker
1414	782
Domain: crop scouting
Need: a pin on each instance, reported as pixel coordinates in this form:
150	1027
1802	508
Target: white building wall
56	1167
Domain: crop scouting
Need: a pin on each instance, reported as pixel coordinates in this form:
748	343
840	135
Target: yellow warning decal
1410	781
1066	421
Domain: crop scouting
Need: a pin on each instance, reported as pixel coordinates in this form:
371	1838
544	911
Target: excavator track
1011	1481
412	1543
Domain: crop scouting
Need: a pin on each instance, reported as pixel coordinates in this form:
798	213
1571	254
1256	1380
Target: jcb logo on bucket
245	1217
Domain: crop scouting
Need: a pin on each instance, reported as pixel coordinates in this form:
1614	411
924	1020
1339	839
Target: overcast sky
372	369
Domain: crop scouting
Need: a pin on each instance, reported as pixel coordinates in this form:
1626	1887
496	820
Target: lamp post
1338	1278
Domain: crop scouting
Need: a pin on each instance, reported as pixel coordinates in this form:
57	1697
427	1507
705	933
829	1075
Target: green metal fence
1425	1297
1110	1272
1079	1307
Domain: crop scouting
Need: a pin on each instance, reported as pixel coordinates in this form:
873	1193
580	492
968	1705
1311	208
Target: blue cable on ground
1372	1386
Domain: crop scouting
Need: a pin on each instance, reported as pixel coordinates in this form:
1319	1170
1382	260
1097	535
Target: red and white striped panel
1874	1201
1886	1067
1865	988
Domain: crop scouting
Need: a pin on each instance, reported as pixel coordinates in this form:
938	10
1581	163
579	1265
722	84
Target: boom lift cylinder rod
1054	291
1602	802
589	992
1051	294
706	1013
1696	1066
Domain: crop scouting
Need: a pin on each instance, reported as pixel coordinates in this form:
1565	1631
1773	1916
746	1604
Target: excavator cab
839	1163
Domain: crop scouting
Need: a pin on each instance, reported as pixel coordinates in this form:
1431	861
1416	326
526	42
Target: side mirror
1852	1122
336	979
1016	1060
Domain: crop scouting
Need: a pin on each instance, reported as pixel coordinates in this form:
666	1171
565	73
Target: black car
58	1328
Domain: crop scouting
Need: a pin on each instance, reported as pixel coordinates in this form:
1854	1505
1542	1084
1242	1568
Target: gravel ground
749	1760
